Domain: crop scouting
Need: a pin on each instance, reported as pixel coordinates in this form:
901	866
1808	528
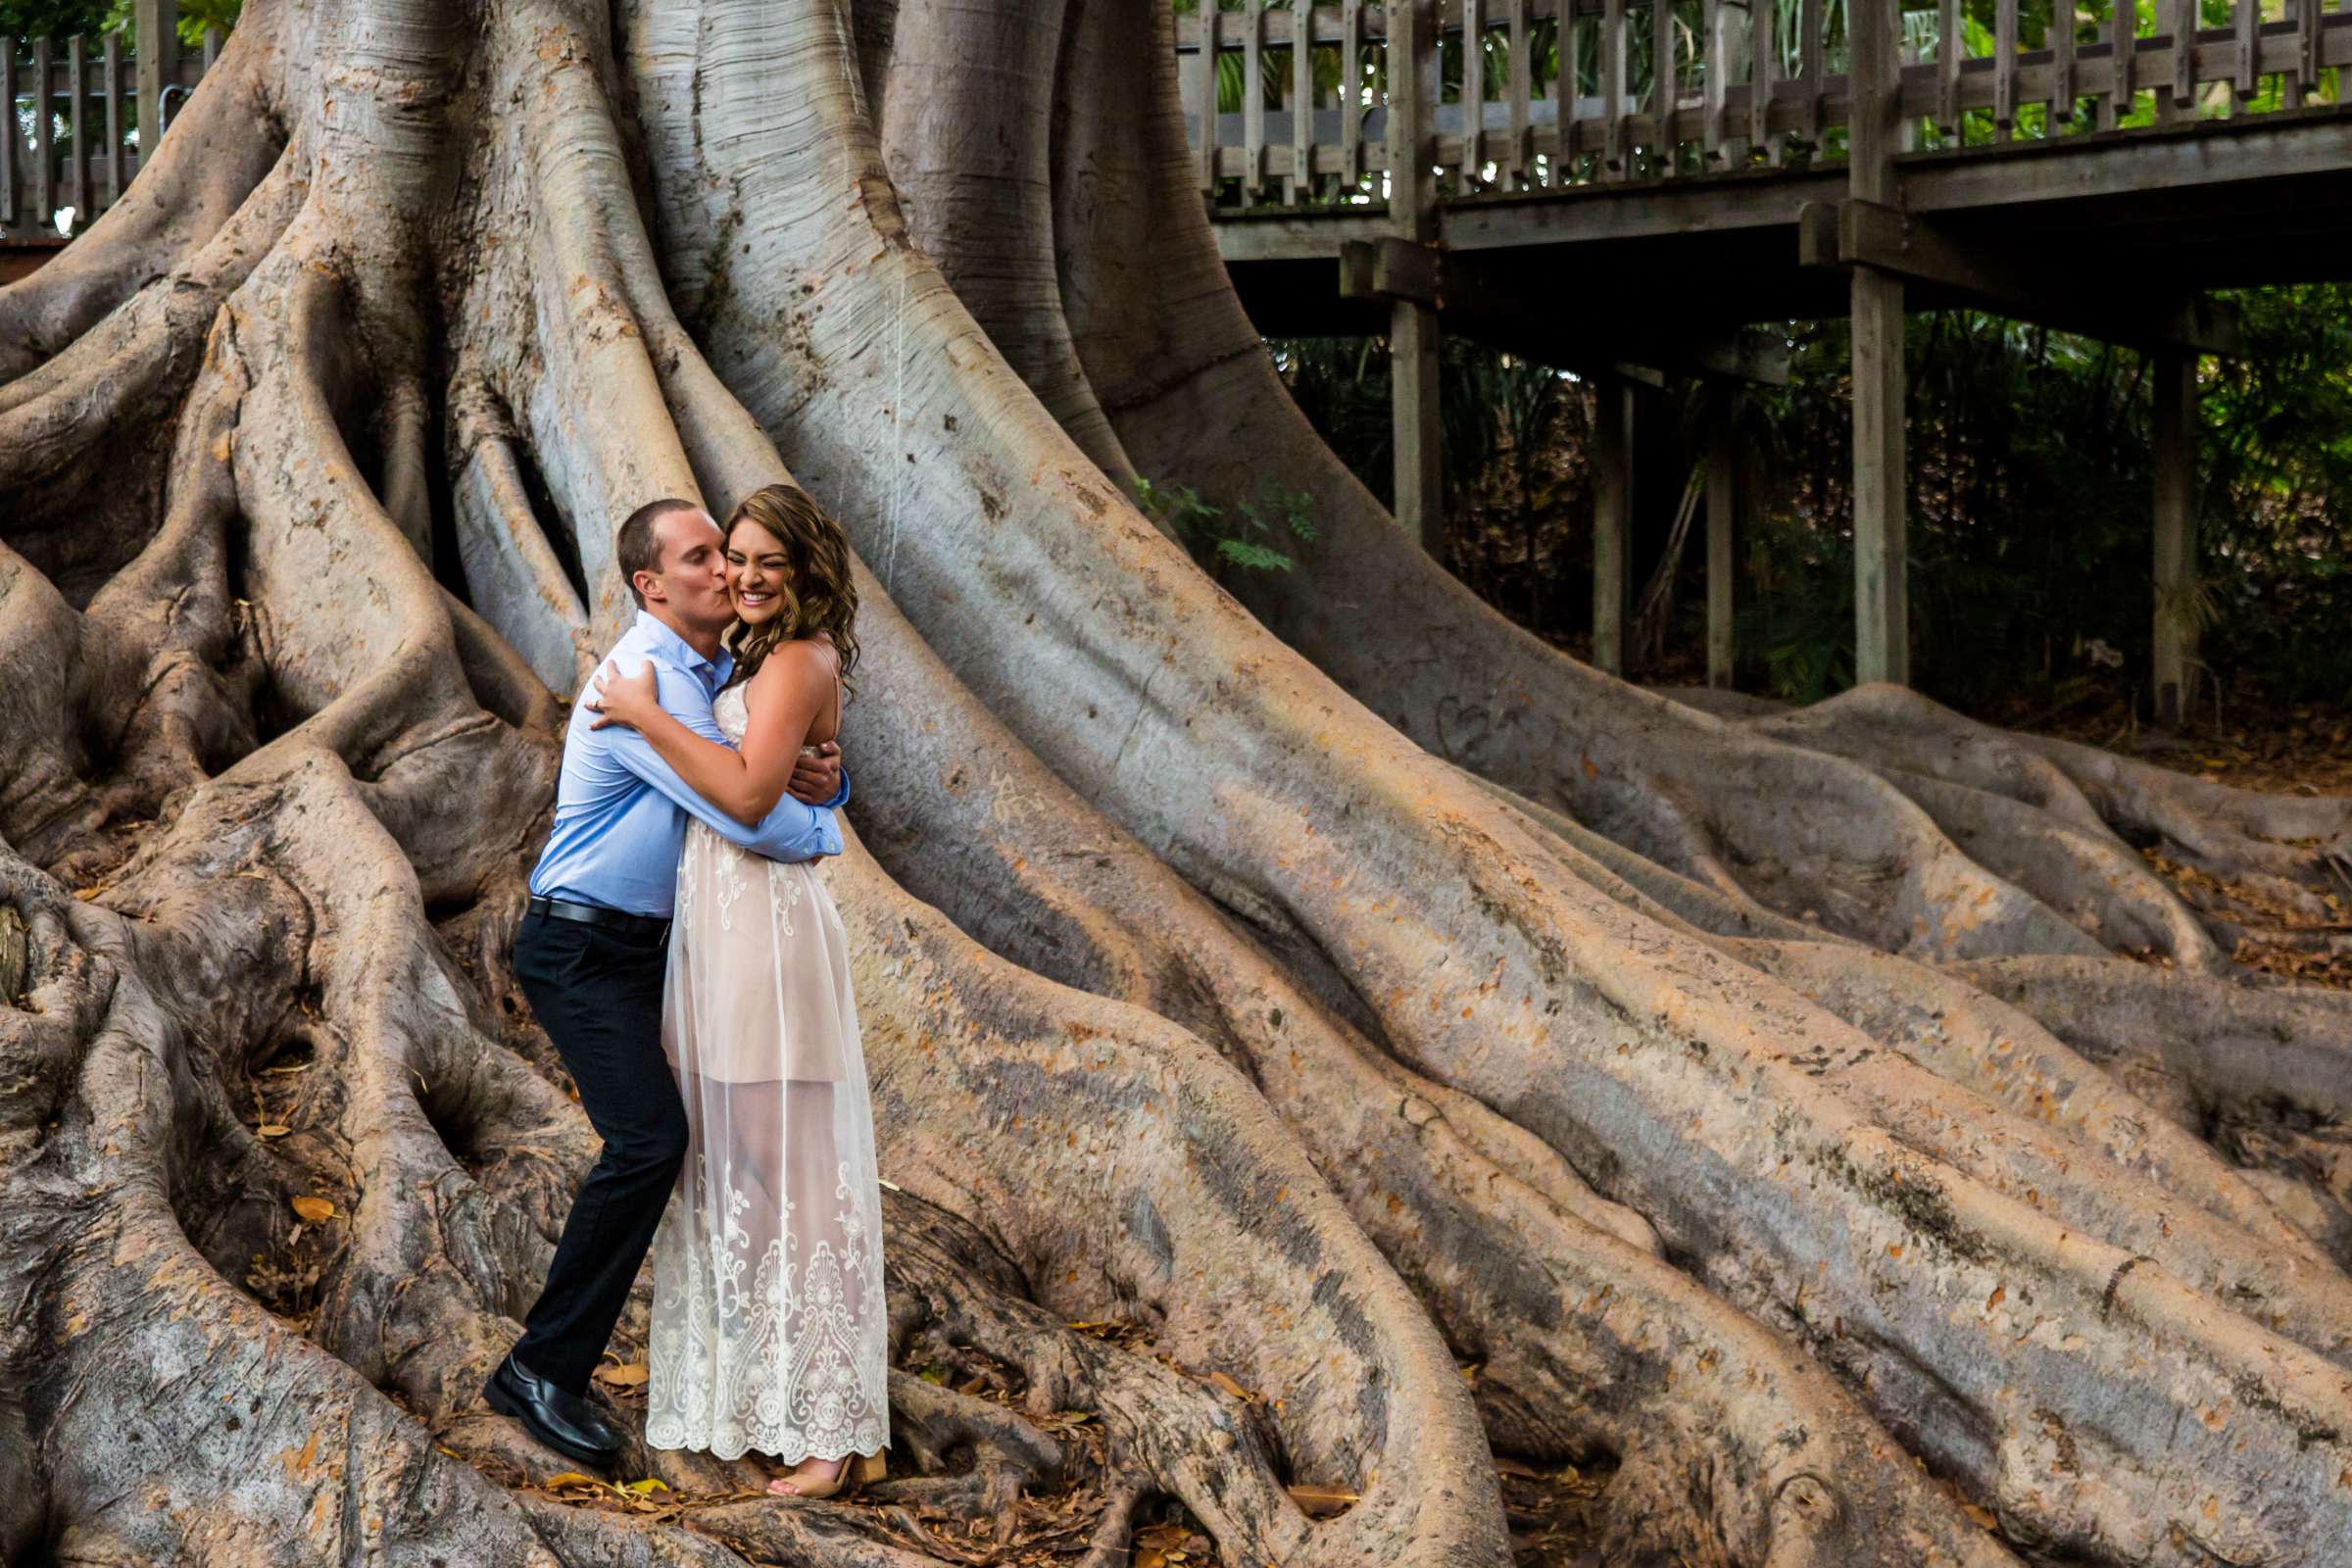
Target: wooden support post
116	178
45	141
1612	517
2176	462
1723	464
1413	323
155	40
1881	602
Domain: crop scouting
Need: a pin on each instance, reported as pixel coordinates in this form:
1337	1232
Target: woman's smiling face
759	577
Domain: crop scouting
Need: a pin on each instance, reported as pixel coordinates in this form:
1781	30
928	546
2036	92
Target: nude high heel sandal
860	1470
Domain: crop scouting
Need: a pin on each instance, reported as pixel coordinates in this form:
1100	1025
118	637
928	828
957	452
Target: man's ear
649	587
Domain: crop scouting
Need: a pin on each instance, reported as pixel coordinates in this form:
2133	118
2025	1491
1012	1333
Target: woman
768	1328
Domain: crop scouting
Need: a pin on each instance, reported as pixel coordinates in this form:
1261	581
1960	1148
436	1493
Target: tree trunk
1758	1105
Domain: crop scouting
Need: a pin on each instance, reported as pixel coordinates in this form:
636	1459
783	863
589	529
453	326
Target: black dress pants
596	992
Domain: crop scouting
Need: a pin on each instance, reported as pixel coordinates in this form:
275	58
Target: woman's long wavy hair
819	593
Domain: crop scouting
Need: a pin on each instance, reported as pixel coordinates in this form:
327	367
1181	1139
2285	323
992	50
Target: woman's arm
745	785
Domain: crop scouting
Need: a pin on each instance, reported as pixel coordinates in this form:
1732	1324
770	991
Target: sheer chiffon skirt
768	1329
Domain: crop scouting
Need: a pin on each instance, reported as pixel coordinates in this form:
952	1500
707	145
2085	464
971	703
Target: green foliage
90	19
1272	514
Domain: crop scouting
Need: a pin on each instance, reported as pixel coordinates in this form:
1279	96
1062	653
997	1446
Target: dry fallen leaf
627	1376
271	1129
314	1210
1226	1385
1316	1501
569	1478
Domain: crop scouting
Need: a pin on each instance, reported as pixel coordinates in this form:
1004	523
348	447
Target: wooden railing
1642	89
72	137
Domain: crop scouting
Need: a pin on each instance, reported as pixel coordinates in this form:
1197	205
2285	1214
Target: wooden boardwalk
1626	192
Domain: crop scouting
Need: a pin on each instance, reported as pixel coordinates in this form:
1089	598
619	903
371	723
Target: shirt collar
682	651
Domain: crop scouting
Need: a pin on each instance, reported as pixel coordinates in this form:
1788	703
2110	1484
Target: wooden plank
1351	93
1412	59
2248	49
1613	151
1665	84
2123	45
2306	75
153	42
1253	100
1204	92
1722	523
2004	64
1473	44
1412	325
77	85
115	179
1414	427
2062	65
2173	676
1521	87
1566	97
44	151
1301	186
1613	518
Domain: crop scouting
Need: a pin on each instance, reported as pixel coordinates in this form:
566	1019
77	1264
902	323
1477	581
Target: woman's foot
816	1479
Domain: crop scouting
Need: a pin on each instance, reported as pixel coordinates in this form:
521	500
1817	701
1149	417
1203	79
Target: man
592	949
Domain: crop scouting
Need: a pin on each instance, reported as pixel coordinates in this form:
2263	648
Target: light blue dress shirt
620	810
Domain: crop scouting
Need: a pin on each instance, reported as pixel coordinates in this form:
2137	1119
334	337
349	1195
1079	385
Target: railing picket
1947	68
1812	29
77	83
212	46
1519	155
1663	85
1763	69
1612	89
8	135
2004	67
2122	42
45	152
1253	100
1564	94
1351	94
1474	92
1301	187
1714	77
1205	91
114	181
2249	45
2184	53
2062	65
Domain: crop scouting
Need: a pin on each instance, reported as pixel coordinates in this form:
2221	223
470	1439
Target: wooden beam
1881	490
1924	251
1475	299
1420	508
2174	673
1613	518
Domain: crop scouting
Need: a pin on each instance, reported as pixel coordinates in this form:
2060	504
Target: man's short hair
635	549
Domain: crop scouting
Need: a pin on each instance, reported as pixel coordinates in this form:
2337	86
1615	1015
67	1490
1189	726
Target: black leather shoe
557	1417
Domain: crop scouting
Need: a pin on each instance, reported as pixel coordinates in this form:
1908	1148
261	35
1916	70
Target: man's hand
816	779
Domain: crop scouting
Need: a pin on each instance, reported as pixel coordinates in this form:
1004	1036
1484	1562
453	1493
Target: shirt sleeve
792	832
841	795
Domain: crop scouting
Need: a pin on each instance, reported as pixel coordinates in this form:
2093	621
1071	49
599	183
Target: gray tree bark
1760	1106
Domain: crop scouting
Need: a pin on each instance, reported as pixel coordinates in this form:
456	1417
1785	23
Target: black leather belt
640	925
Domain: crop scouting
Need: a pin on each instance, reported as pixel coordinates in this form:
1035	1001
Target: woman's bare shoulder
804	665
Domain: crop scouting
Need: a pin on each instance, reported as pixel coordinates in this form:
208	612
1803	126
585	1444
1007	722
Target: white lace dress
769	1328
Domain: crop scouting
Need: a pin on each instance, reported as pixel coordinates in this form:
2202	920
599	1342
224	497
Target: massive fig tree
1825	1123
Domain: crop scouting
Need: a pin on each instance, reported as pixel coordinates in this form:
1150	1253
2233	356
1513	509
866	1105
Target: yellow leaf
649	1484
1984	1517
621	1377
1313	1500
1228	1385
314	1210
271	1129
569	1478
